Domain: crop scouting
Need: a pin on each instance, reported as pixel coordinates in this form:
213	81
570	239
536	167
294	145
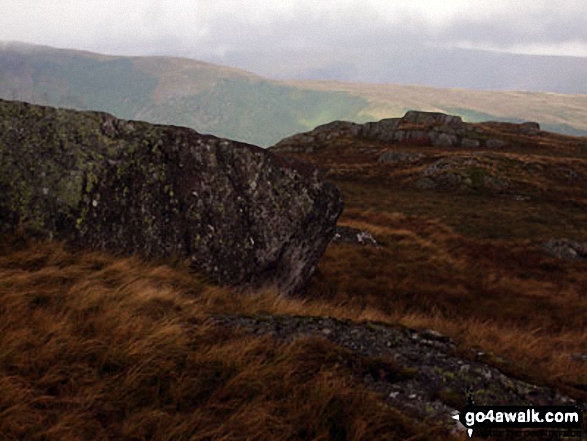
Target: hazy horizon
366	41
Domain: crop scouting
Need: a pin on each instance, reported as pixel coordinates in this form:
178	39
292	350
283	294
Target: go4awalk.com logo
554	422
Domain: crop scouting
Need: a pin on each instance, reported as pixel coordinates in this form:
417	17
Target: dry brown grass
96	347
507	298
467	263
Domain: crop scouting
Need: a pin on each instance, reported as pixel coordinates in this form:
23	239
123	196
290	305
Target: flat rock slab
243	215
440	377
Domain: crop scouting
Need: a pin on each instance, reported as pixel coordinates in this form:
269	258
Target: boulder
495	143
336	129
242	215
566	249
445	140
383	130
470	143
529	128
432	119
425	183
418	137
415	127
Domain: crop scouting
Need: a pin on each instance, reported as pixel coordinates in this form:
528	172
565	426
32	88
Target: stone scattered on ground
353	236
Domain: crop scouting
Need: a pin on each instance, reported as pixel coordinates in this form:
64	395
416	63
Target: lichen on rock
242	215
415	127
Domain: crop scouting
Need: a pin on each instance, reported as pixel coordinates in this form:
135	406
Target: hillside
408	63
239	105
482	238
476	282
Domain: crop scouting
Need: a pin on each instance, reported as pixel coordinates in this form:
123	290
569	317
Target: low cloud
215	28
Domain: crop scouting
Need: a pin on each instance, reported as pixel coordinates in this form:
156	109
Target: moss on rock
241	214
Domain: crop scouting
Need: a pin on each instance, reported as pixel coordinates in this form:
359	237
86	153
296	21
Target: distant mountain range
237	104
398	63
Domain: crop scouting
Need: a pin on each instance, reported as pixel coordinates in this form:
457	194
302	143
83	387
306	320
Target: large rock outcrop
241	214
415	127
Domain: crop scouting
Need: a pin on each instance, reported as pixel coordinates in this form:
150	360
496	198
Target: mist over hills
424	65
240	105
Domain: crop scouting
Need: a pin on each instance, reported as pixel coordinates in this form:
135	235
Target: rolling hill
236	104
401	62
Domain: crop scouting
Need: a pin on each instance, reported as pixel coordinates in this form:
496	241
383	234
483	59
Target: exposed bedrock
242	215
415	127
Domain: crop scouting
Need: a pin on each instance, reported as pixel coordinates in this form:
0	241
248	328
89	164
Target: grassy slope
466	260
233	103
555	112
211	99
94	347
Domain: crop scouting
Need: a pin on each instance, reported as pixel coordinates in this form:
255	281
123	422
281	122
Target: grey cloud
537	26
211	28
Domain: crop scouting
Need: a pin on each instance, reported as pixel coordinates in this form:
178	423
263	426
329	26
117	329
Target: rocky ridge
415	127
434	151
242	215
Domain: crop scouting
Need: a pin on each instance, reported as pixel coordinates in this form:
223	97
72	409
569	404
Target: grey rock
425	183
454	180
578	357
494	183
470	143
529	128
565	249
353	236
432	118
418	137
495	143
391	157
243	215
430	359
445	140
400	136
337	129
415	127
383	130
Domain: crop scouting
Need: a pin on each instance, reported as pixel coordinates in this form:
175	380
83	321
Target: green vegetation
237	109
239	105
82	82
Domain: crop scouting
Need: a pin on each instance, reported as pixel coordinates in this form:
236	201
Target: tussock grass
97	347
507	297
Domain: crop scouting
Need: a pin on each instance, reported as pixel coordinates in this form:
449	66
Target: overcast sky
210	29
